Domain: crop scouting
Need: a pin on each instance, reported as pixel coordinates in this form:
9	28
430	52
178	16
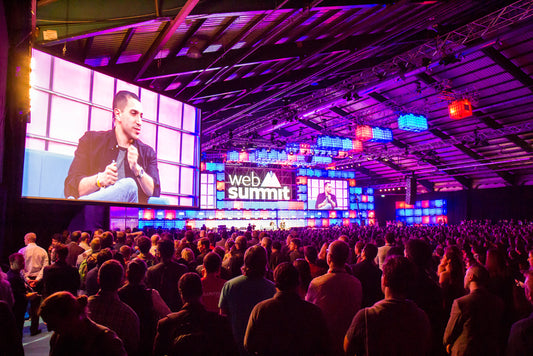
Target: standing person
193	330
369	275
337	293
74	333
212	284
74	250
286	324
115	165
165	275
21	290
35	259
240	294
520	341
475	324
394	325
60	276
384	250
326	200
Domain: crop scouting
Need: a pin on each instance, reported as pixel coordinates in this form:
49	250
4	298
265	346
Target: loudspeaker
410	190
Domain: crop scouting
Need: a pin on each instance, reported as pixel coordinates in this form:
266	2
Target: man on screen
326	200
115	165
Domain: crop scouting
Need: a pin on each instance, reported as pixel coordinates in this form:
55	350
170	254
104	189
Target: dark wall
494	204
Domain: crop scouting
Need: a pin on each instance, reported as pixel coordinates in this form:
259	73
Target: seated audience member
304	272
91	281
337	293
193	330
60	276
10	338
105	307
286	324
369	275
475	324
74	333
394	325
165	275
521	336
146	302
211	282
240	294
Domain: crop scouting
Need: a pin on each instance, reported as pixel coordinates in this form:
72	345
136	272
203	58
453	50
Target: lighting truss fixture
363	132
459	109
380	134
412	122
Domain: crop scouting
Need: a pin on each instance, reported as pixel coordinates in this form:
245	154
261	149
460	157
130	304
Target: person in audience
193	330
337	293
154	240
211	282
286	324
304	273
236	257
203	248
35	259
6	293
144	244
120	241
294	249
125	251
91	281
475	324
369	274
165	275
394	325
188	259
275	257
60	276
358	250
311	256
84	241
520	338
10	338
425	291
146	302
451	276
74	333
105	307
22	292
74	250
383	250
240	294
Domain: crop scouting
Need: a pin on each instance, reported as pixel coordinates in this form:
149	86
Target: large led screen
327	194
93	137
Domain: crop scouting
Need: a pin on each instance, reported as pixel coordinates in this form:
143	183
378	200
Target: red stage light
357	146
363	132
459	109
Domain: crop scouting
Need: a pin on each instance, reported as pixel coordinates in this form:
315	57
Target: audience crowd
462	289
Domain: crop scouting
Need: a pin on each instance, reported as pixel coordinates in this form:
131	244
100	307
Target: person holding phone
115	165
326	200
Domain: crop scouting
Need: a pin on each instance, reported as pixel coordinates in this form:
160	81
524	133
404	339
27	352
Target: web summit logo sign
250	187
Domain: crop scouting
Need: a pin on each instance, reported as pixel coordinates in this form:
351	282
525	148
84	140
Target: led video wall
423	212
72	142
283	198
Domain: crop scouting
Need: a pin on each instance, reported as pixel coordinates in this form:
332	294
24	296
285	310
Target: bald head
30	237
338	253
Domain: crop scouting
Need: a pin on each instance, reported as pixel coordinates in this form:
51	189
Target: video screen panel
85	142
327	194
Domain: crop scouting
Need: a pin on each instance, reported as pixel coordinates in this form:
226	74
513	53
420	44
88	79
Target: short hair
165	248
110	276
61	252
212	262
286	276
187	254
75	236
103	256
359	245
310	253
14	256
339	251
397	274
276	245
389	237
136	271
480	275
371	251
107	239
204	241
190	286
326	183
189	236
121	99
121	237
297	242
144	244
241	242
418	252
255	261
30	236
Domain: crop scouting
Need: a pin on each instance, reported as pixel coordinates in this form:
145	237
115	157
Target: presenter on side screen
326	200
115	165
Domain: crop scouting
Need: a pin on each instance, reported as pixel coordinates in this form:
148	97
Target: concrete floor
38	345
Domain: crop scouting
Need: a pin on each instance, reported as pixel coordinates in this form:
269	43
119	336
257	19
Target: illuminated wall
423	212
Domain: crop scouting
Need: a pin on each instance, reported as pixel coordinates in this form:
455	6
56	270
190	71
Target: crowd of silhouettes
463	289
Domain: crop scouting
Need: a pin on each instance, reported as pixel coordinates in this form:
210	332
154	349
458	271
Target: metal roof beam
509	66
